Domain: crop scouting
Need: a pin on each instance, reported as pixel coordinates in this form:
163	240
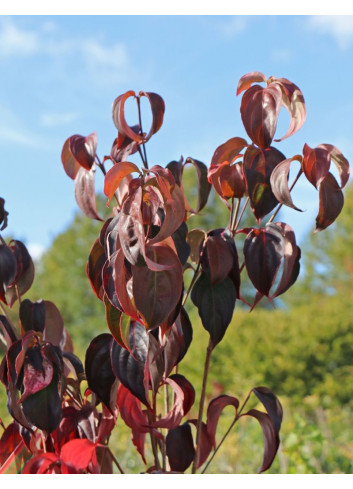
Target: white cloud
52	119
36	250
340	27
233	26
102	60
281	55
13	131
15	41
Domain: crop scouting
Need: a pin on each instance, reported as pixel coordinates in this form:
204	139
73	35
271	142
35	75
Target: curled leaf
331	202
279	182
85	193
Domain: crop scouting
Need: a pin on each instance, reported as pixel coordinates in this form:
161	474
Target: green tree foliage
61	278
328	259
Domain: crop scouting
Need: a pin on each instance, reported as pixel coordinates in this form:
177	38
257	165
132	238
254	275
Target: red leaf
174	213
219	258
54	325
247	80
115	176
157	293
203	186
271	439
85	193
263	252
258	166
35	380
293	101
124	286
214	411
79	453
130	227
41	464
71	166
331	202
82	149
158	108
259	111
316	164
94	268
119	117
13	451
24	274
132	414
340	161
184	397
279	182
291	257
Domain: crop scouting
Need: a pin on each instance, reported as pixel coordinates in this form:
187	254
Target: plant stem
201	405
291	188
3	310
237	416
144	155
151	418
235	215
115	461
235	227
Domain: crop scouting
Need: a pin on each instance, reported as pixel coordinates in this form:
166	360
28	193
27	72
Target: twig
201	405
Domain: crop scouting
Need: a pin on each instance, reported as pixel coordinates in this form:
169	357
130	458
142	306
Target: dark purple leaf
98	368
25	272
263	252
180	240
271	439
8	270
32	316
96	261
158	108
331	202
43	408
180	448
157	293
8	331
258	166
215	303
3	215
54	325
214	411
129	366
259	111
272	405
177	341
203	185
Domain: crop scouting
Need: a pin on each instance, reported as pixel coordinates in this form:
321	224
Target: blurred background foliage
302	350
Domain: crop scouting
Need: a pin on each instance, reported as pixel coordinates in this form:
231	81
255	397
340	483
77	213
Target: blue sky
60	75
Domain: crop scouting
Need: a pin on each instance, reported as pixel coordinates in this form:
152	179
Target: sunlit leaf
85	193
331	202
259	111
